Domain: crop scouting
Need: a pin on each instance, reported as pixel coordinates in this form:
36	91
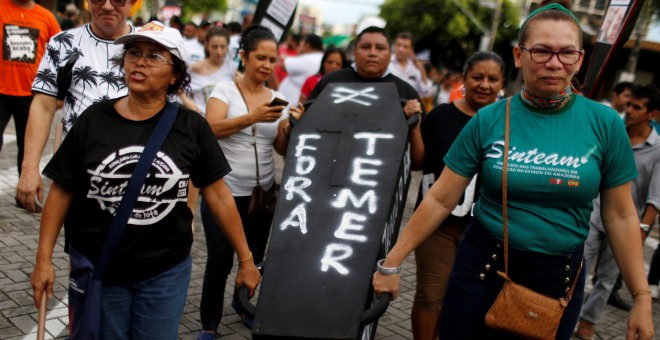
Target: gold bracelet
250	257
641	292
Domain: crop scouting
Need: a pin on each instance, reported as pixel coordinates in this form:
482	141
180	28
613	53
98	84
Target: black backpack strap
65	76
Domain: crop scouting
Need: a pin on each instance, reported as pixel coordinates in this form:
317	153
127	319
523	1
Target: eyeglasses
152	59
542	55
116	3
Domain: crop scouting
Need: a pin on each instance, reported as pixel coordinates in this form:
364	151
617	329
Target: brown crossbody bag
518	309
261	200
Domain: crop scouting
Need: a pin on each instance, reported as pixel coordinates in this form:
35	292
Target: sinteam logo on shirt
534	156
164	186
559	169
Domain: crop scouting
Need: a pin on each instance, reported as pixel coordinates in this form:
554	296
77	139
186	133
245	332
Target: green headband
546	8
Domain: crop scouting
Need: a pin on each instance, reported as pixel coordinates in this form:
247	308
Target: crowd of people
586	202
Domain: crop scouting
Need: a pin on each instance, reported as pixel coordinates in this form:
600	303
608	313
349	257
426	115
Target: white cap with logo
156	32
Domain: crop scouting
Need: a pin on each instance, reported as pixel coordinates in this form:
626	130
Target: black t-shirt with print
95	162
439	131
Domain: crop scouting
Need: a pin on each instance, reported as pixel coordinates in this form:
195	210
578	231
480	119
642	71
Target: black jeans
19	108
221	257
654	271
474	284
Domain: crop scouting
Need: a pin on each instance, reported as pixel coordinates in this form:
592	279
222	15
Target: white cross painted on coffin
344	94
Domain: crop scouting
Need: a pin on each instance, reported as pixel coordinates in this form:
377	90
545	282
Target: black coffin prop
341	200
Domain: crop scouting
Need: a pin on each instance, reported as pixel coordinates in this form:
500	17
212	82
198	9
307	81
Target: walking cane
41	327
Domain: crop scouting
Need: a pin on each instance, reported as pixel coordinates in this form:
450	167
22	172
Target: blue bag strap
133	188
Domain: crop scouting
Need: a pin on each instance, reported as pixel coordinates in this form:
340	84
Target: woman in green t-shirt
564	150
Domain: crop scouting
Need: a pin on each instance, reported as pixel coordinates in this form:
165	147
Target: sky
344	11
654	32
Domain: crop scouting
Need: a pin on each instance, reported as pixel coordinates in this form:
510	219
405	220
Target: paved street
19	234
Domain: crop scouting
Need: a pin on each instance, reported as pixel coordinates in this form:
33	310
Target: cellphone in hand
278	102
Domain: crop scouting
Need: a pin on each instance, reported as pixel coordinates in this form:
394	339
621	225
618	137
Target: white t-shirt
413	76
195	50
238	147
232	49
94	75
298	69
443	96
202	85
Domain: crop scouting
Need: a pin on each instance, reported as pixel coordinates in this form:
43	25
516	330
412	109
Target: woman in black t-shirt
146	281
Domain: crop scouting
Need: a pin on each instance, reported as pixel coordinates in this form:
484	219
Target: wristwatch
387	270
645	227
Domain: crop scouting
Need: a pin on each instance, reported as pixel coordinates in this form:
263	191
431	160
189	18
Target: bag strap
505	167
134	187
254	135
505	220
64	76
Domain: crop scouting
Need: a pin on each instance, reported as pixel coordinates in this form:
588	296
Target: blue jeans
470	294
149	309
220	257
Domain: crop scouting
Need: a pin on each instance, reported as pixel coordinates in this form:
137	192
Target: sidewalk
19	234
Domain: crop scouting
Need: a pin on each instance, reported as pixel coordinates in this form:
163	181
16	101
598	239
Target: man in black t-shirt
372	59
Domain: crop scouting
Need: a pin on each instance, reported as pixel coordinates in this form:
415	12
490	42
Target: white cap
156	32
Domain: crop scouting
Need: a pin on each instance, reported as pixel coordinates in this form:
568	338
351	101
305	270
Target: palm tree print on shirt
69	100
53	54
100	99
111	80
64	39
69	121
72	52
86	75
46	77
116	62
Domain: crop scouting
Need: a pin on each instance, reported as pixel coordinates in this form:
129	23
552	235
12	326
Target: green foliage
192	7
441	25
458	26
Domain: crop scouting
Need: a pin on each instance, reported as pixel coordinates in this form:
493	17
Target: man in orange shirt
26	29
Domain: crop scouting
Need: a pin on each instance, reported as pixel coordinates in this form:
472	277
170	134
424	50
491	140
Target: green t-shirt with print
558	163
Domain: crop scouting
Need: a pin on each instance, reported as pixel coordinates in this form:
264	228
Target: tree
445	29
192	7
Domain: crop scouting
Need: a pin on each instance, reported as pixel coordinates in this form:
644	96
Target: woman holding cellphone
245	116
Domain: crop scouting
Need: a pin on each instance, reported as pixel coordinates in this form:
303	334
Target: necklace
551	103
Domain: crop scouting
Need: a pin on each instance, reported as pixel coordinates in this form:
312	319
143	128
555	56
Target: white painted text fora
351	226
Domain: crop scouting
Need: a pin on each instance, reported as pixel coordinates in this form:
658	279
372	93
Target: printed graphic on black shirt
19	43
165	185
